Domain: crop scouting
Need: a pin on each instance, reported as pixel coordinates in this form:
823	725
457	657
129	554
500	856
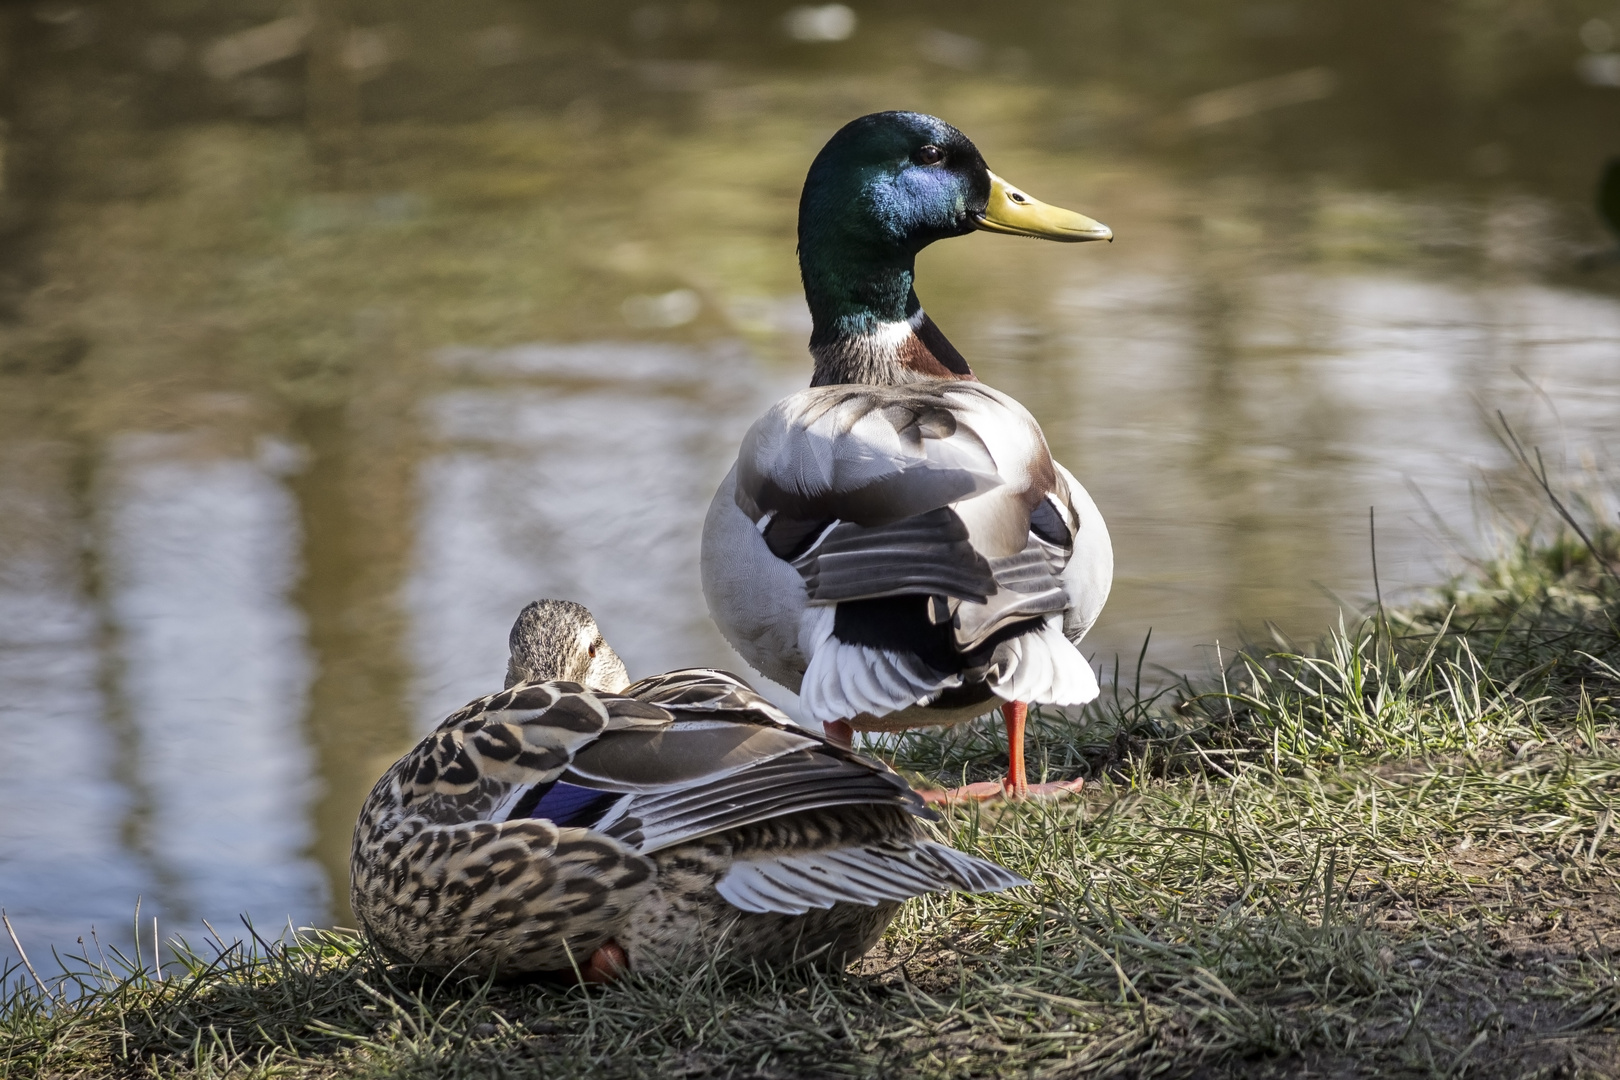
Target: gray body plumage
939	490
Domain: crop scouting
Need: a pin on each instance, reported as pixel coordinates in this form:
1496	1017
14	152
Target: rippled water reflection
300	401
587	474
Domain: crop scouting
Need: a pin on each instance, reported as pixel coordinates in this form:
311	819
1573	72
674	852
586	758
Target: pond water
333	335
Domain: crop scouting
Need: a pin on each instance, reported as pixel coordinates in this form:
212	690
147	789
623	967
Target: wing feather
522	736
790	785
845	680
1028	586
872	874
683	755
873	455
926	553
708	691
1042	665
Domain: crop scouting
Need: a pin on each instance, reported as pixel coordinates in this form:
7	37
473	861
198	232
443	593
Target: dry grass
1395	854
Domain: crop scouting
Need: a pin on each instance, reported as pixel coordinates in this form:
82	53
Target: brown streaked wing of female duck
578	821
896	543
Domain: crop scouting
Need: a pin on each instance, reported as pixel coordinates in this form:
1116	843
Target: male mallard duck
896	543
575	818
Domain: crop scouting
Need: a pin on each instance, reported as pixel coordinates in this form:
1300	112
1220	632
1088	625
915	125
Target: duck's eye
591	652
929	155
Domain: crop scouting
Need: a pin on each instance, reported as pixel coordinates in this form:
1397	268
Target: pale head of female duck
882	189
559	640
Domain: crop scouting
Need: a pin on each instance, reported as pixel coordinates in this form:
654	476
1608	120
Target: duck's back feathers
934	539
769	785
868	454
693	753
434	853
532	824
726	758
520	737
707	690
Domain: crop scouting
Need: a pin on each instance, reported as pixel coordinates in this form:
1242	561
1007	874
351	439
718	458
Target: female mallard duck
896	543
575	818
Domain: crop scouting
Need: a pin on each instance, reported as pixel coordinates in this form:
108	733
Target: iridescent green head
882	189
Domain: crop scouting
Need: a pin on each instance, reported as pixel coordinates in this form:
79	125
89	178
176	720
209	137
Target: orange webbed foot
1015	788
990	790
983	791
1055	790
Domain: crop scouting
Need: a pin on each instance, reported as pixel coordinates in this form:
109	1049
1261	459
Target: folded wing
933	519
542	806
872	874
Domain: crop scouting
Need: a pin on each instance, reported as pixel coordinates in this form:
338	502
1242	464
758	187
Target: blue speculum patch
571	806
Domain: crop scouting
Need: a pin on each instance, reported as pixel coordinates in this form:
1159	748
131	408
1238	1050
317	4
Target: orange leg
840	733
606	964
1016	785
1015	713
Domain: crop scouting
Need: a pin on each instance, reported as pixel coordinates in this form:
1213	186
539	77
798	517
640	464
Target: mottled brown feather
438	882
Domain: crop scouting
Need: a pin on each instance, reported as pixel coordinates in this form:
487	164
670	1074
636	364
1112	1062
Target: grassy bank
1392	853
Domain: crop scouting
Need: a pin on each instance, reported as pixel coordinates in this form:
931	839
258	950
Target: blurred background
332	334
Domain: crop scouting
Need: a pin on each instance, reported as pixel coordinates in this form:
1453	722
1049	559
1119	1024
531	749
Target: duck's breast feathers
874	455
1089	573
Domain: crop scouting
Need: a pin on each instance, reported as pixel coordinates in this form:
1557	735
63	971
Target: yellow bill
1011	211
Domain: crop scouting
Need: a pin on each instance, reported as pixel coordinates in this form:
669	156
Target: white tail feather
845	680
1045	668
